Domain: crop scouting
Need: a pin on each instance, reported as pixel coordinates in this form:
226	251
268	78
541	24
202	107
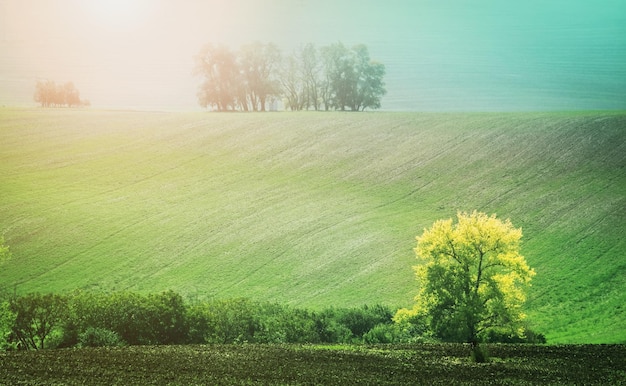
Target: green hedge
36	321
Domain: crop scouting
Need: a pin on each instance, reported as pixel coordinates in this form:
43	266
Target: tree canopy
221	86
472	278
49	94
335	77
355	81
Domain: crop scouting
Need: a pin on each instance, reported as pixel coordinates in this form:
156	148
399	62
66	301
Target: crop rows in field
428	364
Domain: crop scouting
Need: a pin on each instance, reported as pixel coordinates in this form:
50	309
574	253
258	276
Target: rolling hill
312	209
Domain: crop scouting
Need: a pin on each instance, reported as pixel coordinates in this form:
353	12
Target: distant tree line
39	321
49	94
332	77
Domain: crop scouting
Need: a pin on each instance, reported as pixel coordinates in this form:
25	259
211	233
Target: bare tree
292	83
259	63
311	73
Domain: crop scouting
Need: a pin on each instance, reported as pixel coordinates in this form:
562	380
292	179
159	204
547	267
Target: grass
432	364
312	209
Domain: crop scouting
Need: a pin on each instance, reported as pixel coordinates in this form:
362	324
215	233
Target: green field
425	364
312	209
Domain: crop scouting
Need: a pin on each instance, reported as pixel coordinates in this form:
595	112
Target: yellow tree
471	276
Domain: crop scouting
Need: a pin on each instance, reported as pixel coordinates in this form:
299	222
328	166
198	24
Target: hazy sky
440	54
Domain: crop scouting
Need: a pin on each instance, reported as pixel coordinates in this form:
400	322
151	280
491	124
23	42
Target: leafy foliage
385	333
338	77
355	81
246	321
49	94
225	321
98	319
259	64
7	321
471	277
221	86
361	320
37	317
99	337
137	319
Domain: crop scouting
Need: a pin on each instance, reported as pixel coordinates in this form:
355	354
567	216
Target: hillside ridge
312	209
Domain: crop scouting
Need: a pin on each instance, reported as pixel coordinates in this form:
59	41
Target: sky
441	55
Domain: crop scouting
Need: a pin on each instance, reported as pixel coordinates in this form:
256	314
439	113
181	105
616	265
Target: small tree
354	81
339	64
221	86
292	84
7	321
471	277
45	93
258	63
311	73
370	84
70	95
37	317
50	94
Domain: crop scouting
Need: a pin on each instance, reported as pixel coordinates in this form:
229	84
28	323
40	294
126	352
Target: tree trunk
262	103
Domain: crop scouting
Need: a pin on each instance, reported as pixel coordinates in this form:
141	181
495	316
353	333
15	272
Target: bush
99	337
224	321
505	336
37	318
356	320
330	331
283	324
384	333
99	319
7	321
166	317
413	326
244	320
136	319
534	337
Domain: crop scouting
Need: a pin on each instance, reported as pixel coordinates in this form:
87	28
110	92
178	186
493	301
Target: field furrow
312	209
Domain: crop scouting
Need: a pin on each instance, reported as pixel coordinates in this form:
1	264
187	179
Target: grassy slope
312	209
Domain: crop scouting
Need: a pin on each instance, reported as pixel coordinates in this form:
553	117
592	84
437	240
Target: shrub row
36	321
